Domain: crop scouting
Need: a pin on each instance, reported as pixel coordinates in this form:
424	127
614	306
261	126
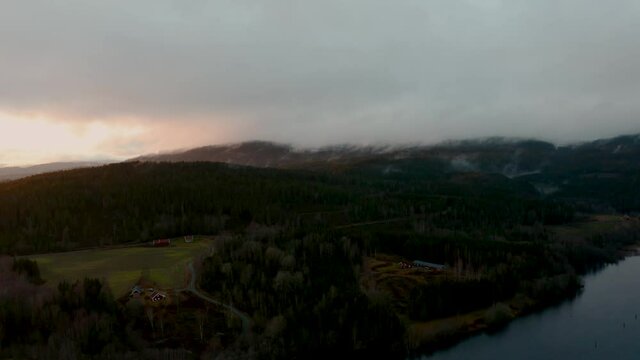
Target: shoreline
430	337
443	334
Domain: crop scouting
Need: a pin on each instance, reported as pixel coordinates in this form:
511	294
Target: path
193	288
374	222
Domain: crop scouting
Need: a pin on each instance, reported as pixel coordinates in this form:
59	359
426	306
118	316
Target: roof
428	264
157	296
136	289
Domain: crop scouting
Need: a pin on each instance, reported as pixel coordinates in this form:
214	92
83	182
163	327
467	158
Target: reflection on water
602	323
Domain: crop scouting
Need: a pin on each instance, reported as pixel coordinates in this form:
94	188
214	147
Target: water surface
601	323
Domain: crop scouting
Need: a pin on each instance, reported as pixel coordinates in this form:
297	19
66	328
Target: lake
603	322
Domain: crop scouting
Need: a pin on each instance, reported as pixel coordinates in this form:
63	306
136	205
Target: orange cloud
30	139
37	139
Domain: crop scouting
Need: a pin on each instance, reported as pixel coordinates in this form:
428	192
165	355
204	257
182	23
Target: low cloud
313	73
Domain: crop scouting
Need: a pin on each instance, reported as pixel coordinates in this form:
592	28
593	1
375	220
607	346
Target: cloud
38	139
325	71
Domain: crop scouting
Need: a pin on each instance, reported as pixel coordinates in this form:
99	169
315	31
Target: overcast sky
113	79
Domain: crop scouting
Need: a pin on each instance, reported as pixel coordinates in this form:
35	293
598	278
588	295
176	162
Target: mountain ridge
9	173
509	156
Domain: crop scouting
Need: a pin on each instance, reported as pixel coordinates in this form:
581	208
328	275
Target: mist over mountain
600	174
510	157
362	179
297	232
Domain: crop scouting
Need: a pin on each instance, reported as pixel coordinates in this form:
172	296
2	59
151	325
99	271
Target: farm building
161	243
158	296
136	290
428	265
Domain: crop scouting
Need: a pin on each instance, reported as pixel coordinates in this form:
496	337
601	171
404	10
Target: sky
87	80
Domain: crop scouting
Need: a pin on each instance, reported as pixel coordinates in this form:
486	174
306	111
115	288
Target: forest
137	202
291	250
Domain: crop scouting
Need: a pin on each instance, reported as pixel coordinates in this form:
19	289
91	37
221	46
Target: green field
124	266
593	225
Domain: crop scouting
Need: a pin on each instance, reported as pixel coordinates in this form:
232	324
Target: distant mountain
173	194
510	157
603	174
272	155
15	172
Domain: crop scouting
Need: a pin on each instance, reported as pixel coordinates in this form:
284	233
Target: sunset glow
114	80
383	179
36	139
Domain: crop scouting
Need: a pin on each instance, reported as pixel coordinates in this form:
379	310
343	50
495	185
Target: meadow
122	267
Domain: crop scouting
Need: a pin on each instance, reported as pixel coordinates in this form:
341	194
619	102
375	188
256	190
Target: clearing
122	267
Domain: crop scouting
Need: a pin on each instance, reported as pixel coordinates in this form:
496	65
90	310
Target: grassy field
591	226
383	273
123	267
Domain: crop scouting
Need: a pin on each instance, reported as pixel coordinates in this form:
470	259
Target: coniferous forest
297	251
330	179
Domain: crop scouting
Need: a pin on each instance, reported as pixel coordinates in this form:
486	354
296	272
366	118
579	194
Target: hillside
134	201
272	155
17	172
598	175
510	157
139	201
313	249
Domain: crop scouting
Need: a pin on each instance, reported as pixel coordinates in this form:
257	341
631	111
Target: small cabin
158	296
136	290
161	243
428	265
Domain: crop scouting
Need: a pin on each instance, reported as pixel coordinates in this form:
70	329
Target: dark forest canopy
135	202
294	250
600	175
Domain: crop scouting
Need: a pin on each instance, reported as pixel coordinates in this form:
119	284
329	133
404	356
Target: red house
161	243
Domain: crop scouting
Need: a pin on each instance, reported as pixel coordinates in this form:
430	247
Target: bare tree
161	318
202	317
149	311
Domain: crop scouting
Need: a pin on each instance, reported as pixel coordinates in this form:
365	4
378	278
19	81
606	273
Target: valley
315	259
